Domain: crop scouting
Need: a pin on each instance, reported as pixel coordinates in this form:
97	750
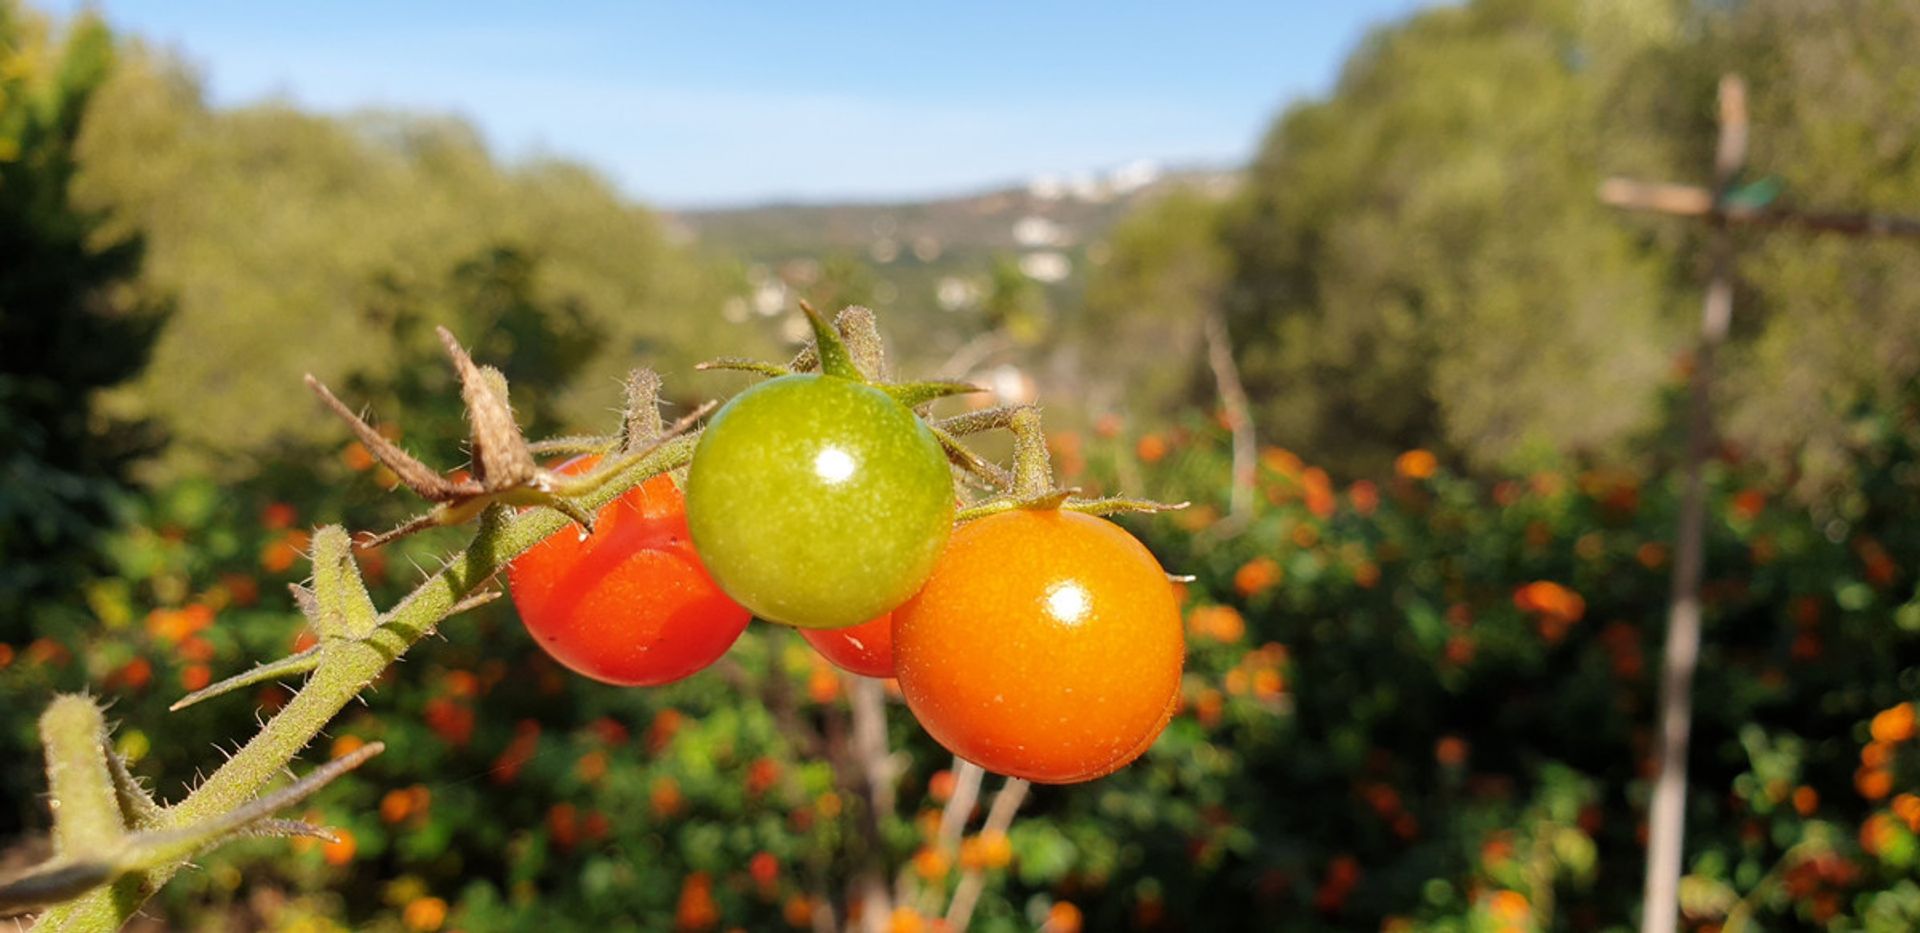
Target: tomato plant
1047	645
865	649
630	604
818	501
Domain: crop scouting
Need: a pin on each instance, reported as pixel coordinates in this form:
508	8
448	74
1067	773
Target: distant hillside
936	265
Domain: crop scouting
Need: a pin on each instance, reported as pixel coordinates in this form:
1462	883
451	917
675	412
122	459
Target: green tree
1166	270
266	221
69	326
1420	259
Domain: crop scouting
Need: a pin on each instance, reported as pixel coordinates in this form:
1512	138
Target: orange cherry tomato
865	649
632	604
1047	646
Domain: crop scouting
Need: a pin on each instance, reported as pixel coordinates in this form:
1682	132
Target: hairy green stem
86	809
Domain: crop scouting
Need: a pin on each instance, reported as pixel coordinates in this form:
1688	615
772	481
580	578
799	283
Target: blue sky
720	103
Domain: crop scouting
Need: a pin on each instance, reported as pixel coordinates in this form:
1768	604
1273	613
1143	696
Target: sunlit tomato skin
632	604
817	501
865	649
1047	646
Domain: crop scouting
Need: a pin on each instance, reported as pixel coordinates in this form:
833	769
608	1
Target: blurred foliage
1419	258
1166	269
1414	702
277	230
68	326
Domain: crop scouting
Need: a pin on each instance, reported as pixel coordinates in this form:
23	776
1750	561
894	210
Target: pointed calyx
916	394
1032	467
1031	482
343	608
830	348
642	423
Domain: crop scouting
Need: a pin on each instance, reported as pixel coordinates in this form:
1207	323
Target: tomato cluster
1035	642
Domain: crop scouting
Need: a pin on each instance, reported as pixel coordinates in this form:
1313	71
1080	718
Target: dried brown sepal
972	464
504	469
986	419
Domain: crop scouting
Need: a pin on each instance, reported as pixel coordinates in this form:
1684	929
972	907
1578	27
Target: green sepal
344	608
741	364
288	666
916	394
1117	505
830	348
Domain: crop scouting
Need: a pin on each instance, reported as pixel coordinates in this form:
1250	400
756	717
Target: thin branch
966	791
1699	202
1667	817
999	819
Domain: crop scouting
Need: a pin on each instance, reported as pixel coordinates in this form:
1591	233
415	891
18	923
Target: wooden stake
1667	820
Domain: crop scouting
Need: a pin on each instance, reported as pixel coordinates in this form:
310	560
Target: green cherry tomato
818	501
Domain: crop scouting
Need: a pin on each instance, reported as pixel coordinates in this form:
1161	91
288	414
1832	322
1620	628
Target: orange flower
1319	492
798	912
424	914
357	457
1208	707
762	775
765	870
941	785
1282	461
696	909
1907	808
340	850
1877	833
195	676
1894	724
823	685
665	725
1651	555
1416	465
1256	576
563	825
1873	783
526	742
1510	907
1365	497
929	864
1450	751
665	797
1219	623
1748	503
989	849
1805	800
905	920
1062	917
1150	449
278	516
132	675
395	806
1366	575
1550	601
592	766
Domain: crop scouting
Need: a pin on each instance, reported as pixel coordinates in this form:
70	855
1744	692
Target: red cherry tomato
865	649
1047	645
632	604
